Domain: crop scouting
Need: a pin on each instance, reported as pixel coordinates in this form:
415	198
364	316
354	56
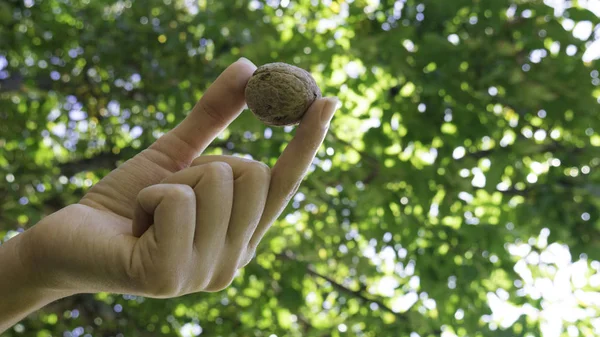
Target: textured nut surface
279	94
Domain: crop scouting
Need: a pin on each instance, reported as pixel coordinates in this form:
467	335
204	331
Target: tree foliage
463	162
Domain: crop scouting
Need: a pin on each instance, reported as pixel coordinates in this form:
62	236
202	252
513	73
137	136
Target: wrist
20	290
39	273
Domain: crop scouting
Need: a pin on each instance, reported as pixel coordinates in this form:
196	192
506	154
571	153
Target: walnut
279	94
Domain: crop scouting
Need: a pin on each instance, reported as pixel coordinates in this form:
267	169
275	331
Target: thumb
171	209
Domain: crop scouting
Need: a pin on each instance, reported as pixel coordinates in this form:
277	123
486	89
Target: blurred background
457	193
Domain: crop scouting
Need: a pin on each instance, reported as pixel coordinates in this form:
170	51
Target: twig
356	293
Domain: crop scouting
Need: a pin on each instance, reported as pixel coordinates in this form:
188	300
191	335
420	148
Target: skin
168	222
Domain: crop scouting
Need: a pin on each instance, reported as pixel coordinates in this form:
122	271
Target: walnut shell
279	94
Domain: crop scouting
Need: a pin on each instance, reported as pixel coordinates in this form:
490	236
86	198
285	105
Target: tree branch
363	154
375	164
356	293
359	294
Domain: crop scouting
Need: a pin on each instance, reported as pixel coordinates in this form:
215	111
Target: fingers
251	186
213	188
221	104
288	172
172	210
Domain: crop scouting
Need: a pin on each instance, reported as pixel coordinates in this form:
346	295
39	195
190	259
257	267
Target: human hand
158	227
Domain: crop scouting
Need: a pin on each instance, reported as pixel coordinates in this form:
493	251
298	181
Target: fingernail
329	109
245	60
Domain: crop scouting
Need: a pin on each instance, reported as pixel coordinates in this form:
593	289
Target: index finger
219	106
291	167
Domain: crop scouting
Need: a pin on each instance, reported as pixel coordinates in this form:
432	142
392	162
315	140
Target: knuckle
261	169
211	112
180	191
248	257
246	261
165	284
221	282
201	278
219	168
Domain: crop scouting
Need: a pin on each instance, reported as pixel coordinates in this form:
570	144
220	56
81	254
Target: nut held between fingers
279	94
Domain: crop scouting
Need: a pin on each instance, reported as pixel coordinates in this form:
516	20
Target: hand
164	224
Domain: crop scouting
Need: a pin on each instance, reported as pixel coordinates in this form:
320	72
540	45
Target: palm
96	235
117	192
